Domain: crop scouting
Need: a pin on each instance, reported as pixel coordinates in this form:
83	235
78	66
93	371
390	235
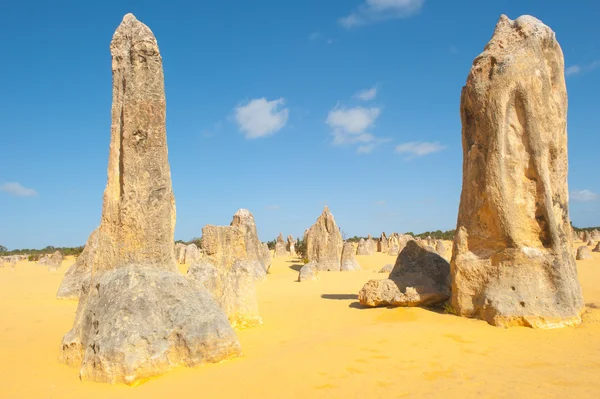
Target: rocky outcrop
382	244
234	261
440	248
349	262
192	254
138	316
371	245
595	235
233	289
513	262
280	247
363	248
587	236
308	272
420	277
324	243
52	261
394	250
180	253
224	245
291	246
597	248
583	253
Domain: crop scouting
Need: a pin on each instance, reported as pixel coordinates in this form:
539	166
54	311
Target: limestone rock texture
513	262
587	236
583	253
180	253
324	243
595	235
308	272
52	261
394	250
440	248
596	248
138	316
420	277
291	246
265	257
280	247
234	261
382	244
349	261
234	289
192	254
363	248
223	245
77	277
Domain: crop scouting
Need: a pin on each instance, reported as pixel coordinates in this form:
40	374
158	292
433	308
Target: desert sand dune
317	342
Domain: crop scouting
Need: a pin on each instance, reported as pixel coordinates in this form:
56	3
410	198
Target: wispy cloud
372	11
380	203
580	69
314	36
261	118
272	207
416	149
366	94
584	196
349	126
18	190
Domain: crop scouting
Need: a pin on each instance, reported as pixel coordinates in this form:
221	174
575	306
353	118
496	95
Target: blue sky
280	107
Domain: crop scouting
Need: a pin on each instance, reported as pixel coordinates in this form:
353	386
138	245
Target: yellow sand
316	343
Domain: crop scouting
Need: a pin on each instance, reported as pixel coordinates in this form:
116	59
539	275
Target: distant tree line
35	254
195	240
578	229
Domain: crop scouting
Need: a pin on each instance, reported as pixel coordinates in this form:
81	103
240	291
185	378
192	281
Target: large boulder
387	268
349	262
233	289
595	235
371	245
138	316
587	236
420	277
596	248
324	243
513	262
583	253
308	272
280	247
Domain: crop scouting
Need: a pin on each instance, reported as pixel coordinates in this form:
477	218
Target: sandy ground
316	342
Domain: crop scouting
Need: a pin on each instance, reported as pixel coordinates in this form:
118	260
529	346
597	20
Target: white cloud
584	196
349	125
579	69
367	94
418	149
378	10
261	118
352	120
573	70
18	190
314	36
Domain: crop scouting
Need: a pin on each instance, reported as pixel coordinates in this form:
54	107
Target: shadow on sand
296	266
340	297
